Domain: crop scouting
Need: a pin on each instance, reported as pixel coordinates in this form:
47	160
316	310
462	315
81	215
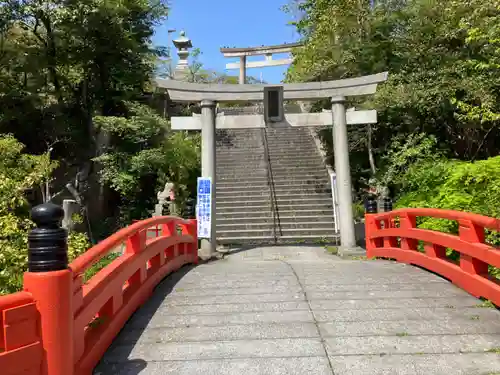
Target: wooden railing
395	235
62	325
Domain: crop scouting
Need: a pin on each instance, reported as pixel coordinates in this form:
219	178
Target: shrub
18	173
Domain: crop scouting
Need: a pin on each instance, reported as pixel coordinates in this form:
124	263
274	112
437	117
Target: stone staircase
293	206
243	202
301	186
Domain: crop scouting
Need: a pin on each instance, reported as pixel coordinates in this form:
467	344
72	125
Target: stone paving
299	310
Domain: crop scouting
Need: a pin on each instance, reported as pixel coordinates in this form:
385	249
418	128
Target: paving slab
270	289
418	364
257	331
299	310
235	298
394	303
217	350
383	315
165	320
455	326
247	366
426	344
167	309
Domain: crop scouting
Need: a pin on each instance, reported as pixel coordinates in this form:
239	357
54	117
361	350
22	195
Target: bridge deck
301	311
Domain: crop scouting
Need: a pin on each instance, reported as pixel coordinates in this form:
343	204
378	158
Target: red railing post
471	233
50	282
192	230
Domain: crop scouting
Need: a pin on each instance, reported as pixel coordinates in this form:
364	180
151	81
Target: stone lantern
183	44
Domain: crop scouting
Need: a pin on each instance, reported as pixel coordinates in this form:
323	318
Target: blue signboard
204	207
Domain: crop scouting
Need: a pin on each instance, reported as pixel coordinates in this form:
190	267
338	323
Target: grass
449	306
474	317
321	241
332	249
486	305
494	350
362	257
402	334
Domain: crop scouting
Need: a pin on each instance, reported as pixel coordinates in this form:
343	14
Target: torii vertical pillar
344	184
208	118
243	70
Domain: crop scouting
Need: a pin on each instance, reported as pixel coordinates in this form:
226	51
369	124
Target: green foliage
358	211
422	177
462	186
18	173
103	262
144	155
442	59
402	154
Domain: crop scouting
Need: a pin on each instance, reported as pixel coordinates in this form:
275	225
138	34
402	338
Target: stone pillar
243	70
208	118
344	185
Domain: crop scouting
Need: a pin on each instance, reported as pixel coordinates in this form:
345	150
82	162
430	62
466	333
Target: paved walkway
298	310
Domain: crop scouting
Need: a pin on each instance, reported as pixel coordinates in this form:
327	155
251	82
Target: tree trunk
370	151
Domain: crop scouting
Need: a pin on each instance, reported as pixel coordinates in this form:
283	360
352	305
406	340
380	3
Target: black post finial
387	204
371	205
47	243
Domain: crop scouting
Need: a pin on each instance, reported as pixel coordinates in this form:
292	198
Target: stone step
276	172
283	219
223	227
292	152
305	191
309	214
280	240
280	197
274	175
296	208
285	142
275	164
290	141
286	236
230	157
272	149
281	201
318	231
277	179
277	186
246	183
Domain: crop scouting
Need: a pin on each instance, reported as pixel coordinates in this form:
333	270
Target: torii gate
268	51
209	94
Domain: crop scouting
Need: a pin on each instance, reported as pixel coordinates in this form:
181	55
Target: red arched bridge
275	310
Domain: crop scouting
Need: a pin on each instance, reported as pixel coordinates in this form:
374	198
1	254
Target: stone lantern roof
182	42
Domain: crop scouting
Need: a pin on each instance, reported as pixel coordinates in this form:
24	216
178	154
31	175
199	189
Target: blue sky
212	24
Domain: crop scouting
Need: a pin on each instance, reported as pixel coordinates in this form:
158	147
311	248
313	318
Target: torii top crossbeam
257	51
189	92
267	51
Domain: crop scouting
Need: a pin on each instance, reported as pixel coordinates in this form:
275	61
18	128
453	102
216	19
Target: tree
148	155
442	60
64	62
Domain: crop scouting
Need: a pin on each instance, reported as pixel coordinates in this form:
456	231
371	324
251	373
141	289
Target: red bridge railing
395	235
62	325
